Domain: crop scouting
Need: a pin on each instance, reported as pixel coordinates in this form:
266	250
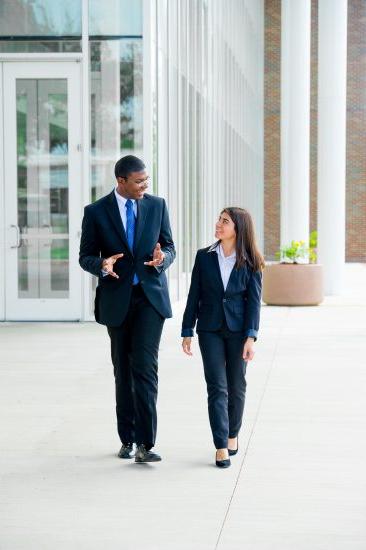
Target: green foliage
298	251
313	239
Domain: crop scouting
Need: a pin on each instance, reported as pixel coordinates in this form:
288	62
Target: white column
148	89
332	71
107	91
295	119
86	183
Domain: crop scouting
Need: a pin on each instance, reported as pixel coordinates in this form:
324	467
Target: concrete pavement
299	480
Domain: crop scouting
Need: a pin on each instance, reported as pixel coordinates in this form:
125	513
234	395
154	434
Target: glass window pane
40	18
116	107
35	46
43	181
115	18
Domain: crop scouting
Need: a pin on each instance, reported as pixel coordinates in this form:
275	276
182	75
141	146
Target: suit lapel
233	279
142	208
216	268
115	217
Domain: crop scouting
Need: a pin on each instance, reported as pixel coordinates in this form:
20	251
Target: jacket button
224	300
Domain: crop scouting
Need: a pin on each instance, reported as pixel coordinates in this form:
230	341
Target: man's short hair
128	164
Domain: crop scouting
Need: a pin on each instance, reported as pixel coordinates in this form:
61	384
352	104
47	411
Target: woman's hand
248	352
186	345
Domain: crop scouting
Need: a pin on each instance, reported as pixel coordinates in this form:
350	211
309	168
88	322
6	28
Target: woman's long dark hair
246	246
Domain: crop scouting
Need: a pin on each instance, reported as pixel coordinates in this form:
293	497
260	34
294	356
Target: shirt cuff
187	332
104	273
157	267
252	333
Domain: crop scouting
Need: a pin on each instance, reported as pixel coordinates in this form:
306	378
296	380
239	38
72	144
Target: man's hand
108	264
158	256
186	345
248	352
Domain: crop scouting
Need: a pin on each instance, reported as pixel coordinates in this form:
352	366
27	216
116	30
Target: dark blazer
208	302
103	235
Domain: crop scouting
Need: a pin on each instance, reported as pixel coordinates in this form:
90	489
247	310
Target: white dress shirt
226	264
121	201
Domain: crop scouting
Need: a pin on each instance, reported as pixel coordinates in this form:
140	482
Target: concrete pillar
295	119
332	80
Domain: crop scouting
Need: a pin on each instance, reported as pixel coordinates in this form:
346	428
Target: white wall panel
209	118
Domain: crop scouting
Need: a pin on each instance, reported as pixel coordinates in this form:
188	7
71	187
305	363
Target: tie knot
129	204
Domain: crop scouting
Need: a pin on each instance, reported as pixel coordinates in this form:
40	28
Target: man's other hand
108	264
158	256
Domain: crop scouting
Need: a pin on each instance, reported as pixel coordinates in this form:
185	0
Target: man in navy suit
127	243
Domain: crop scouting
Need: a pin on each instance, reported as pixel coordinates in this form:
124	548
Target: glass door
42	190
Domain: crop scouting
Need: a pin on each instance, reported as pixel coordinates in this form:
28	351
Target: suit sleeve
253	305
89	256
191	312
166	241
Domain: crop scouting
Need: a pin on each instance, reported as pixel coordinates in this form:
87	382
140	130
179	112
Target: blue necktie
130	231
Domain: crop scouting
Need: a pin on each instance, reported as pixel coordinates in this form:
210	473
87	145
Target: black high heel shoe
233	452
223	463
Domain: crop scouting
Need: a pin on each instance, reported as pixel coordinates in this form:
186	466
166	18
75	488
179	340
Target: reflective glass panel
42	172
115	18
116	107
40	18
35	46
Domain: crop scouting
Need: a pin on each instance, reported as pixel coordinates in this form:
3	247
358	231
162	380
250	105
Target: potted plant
296	280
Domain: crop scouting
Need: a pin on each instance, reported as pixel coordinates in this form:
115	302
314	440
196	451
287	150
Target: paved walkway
298	482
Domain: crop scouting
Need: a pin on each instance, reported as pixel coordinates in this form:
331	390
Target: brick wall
356	128
313	206
272	130
356	133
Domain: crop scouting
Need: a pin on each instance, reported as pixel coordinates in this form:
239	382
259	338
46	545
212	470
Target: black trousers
134	350
225	368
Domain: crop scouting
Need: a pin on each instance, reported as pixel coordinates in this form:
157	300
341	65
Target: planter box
293	284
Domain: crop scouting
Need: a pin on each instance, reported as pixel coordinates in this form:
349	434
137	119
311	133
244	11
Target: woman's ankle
222	454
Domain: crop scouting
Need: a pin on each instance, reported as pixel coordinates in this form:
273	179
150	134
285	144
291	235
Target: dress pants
225	368
134	350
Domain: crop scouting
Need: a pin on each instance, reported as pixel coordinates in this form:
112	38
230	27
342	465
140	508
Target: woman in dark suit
225	298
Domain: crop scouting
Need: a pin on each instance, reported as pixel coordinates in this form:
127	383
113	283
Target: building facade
83	83
191	86
355	191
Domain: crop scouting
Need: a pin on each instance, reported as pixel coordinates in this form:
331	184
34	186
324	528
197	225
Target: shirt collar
213	247
121	199
216	245
220	252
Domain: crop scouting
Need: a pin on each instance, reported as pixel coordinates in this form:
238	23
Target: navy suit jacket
103	235
208	302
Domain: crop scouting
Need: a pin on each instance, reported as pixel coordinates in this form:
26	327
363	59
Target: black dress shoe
143	455
223	463
126	451
233	452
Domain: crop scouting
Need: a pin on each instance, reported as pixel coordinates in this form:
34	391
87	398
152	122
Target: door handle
19	240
